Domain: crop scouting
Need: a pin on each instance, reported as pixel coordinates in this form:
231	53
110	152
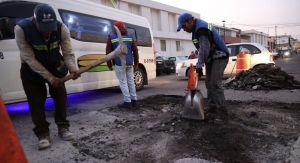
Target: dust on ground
251	132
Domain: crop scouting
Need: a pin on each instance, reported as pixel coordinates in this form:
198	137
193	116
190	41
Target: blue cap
181	19
45	18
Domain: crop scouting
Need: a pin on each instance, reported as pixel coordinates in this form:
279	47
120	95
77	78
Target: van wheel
139	79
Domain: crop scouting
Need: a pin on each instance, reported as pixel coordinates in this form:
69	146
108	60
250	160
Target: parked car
178	59
286	53
259	55
164	65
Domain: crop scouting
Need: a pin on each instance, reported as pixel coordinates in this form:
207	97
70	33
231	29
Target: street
105	133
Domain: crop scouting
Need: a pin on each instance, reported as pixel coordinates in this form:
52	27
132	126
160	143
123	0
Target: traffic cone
10	148
191	79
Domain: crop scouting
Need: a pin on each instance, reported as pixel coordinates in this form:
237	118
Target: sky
261	15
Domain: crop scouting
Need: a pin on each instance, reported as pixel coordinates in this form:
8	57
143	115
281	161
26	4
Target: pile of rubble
262	77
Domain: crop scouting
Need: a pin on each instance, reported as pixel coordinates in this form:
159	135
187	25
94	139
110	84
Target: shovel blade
194	106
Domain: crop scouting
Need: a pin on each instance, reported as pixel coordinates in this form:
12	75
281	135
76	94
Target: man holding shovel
40	39
212	52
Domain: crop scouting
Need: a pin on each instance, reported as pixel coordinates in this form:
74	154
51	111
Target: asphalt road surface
87	114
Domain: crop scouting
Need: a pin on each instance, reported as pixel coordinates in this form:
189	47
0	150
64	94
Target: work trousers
125	76
36	93
214	75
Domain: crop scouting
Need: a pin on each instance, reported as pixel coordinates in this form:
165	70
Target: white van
89	24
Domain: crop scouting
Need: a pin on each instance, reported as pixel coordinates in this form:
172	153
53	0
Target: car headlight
180	65
287	53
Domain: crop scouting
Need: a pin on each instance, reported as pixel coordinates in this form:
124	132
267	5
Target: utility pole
224	30
261	38
276	37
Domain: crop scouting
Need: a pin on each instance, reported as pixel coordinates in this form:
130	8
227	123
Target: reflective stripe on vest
209	26
125	39
218	41
195	41
53	45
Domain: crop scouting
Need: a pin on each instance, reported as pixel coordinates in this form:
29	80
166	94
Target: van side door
10	82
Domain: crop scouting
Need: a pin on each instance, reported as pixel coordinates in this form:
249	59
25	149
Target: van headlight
180	65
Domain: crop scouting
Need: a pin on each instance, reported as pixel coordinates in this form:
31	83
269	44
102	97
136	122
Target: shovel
120	51
194	101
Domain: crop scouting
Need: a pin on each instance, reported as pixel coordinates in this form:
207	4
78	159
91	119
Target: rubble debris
252	131
262	77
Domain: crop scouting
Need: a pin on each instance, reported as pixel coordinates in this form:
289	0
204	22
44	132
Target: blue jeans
126	79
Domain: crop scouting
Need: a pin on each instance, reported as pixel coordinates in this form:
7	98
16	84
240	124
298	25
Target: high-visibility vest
48	54
127	40
217	40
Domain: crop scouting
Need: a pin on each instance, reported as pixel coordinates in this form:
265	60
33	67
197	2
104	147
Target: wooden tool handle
120	50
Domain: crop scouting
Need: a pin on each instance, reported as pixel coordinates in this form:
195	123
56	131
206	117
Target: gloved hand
199	72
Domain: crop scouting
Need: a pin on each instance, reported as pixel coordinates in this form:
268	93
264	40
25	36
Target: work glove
199	69
199	72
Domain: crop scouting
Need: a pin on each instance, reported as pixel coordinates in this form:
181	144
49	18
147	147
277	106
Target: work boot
125	105
44	142
133	104
65	134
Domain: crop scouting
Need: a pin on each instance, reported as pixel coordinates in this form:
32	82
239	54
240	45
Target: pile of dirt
250	132
262	77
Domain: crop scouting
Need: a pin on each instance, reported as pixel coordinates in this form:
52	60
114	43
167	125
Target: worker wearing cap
124	73
212	52
40	39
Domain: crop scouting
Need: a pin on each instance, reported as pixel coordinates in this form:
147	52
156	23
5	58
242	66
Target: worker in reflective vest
213	53
40	39
124	73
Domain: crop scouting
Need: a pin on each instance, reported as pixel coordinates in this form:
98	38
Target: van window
9	17
96	29
132	32
143	36
85	27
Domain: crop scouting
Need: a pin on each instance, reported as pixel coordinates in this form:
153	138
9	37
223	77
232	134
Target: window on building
134	9
155	20
163	46
172	22
178	46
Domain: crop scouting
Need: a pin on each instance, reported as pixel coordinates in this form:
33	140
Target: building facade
232	35
163	21
255	36
284	42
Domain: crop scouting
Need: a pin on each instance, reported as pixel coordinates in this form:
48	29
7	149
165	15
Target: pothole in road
251	132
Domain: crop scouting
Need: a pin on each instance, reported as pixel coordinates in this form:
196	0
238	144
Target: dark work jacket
216	40
47	53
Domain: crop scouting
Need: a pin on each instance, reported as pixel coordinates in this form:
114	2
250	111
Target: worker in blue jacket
213	53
